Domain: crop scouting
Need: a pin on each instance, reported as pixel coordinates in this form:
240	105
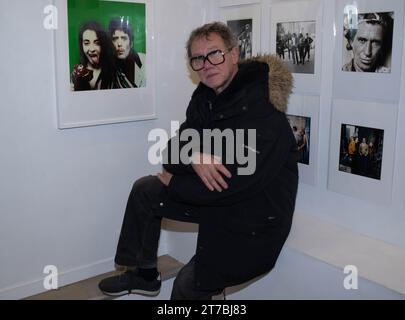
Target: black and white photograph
361	151
243	32
367	41
295	45
301	127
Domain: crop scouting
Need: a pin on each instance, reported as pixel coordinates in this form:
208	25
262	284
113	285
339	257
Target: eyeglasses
215	57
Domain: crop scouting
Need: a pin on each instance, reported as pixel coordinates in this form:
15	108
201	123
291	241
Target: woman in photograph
97	69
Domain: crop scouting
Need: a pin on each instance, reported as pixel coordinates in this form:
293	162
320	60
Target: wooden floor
88	289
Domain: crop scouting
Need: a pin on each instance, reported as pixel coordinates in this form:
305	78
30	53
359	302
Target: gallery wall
63	192
342	201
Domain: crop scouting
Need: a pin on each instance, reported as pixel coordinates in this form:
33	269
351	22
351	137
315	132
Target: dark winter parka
241	229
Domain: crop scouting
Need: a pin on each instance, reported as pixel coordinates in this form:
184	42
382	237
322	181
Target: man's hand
165	177
209	169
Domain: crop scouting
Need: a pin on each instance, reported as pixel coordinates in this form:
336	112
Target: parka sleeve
272	153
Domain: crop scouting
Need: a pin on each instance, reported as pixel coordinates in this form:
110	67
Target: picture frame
130	100
244	19
371	118
304	111
299	17
372	85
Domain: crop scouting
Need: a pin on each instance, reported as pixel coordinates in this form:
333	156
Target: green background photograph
82	11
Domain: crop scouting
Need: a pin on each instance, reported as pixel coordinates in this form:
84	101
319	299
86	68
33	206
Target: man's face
367	46
220	76
122	44
91	47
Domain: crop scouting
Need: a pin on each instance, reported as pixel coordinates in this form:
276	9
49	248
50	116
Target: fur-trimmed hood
280	80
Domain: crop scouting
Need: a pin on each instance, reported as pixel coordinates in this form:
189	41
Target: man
371	44
307	45
243	220
294	48
130	62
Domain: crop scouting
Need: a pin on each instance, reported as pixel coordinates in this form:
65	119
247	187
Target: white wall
63	192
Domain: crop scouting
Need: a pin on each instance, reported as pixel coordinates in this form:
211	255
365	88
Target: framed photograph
245	22
368	49
295	45
362	150
104	58
295	26
367	41
303	116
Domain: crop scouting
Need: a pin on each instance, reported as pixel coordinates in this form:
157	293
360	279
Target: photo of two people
107	45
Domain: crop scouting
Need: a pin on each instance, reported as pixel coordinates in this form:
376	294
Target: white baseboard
27	289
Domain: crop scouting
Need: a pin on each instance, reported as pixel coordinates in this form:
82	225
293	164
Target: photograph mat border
92	108
300	11
242	12
372	86
363	114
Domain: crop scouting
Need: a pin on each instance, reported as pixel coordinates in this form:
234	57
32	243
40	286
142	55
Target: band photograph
295	45
301	127
107	45
361	151
367	41
243	32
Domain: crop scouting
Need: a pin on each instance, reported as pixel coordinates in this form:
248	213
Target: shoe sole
128	292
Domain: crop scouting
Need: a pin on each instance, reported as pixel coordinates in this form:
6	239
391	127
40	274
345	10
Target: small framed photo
245	22
294	37
362	150
104	61
368	49
303	116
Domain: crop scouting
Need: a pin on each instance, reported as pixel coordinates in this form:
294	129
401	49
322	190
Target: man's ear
235	53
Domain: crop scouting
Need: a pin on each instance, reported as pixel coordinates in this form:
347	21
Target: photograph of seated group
361	151
107	45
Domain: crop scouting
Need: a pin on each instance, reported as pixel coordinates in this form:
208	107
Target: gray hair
206	30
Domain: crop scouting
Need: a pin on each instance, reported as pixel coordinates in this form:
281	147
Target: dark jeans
139	238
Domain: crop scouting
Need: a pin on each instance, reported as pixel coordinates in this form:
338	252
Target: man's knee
150	185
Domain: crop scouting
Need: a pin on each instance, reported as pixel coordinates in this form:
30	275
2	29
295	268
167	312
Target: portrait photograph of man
107	45
367	42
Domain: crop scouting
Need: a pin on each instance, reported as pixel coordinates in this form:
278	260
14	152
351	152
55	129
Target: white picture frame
300	11
368	115
369	85
98	107
242	11
308	107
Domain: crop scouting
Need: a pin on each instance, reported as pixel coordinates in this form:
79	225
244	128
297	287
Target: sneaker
129	282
